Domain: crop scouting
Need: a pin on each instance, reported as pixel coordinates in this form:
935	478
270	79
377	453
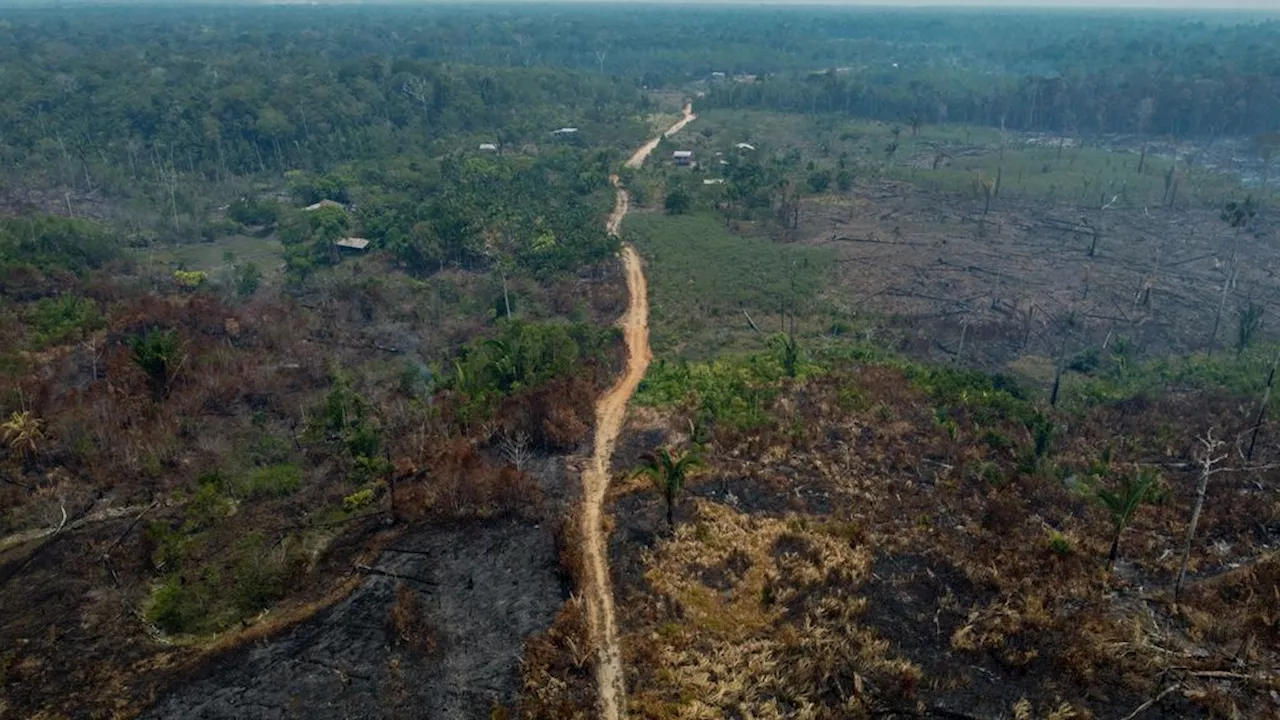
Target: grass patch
270	481
1116	377
1033	166
213	257
701	278
736	392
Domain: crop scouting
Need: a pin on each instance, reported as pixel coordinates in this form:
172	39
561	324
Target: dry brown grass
983	591
407	623
557	670
760	617
458	483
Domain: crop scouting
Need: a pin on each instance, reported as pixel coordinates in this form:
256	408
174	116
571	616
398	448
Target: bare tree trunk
1262	409
1207	468
506	299
1222	304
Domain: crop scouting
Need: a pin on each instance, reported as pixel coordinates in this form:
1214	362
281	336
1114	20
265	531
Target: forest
638	361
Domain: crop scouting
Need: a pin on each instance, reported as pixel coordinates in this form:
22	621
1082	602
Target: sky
1272	5
1255	5
1265	5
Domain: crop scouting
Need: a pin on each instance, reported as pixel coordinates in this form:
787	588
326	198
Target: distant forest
235	90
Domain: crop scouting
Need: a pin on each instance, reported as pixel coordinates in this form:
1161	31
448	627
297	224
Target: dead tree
1227	282
515	448
1262	408
1208	466
1237	216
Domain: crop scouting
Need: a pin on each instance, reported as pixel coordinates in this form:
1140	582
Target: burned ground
1027	277
436	630
983	592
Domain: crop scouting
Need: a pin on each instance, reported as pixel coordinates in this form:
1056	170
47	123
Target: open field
702	277
213	257
887	541
1030	277
951	158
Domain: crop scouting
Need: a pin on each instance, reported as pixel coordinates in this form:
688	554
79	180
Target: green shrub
260	579
358	499
177	607
159	354
678	201
49	242
1059	544
271	481
207	507
247	279
254	211
168	545
56	320
735	392
269	449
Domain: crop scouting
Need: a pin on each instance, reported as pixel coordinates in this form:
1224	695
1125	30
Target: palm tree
1123	503
668	472
788	350
23	431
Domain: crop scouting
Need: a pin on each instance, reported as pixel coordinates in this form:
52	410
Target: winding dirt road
610	412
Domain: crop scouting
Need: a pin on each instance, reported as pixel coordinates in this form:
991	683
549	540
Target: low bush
62	318
270	481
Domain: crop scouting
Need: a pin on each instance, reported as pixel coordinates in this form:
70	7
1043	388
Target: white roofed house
682	157
323	204
352	243
488	147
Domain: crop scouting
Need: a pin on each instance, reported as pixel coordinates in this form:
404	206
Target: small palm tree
788	349
159	354
24	432
1123	503
668	472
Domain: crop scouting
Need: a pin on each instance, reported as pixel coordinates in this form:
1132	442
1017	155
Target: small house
565	131
682	157
352	243
323	204
488	147
713	181
745	146
717	75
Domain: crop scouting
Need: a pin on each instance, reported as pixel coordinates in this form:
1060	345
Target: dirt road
610	412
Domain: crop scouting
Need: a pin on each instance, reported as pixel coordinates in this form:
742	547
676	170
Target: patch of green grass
213	257
1082	176
1033	166
736	392
1116	378
701	278
212	596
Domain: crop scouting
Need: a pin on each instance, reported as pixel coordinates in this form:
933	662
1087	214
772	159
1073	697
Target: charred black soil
435	631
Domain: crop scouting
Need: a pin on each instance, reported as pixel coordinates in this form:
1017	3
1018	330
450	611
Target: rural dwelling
352	243
745	146
565	131
488	147
713	181
325	203
682	157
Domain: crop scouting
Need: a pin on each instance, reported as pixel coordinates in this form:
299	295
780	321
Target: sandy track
610	413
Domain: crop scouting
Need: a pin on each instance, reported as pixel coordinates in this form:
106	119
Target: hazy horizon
1266	6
